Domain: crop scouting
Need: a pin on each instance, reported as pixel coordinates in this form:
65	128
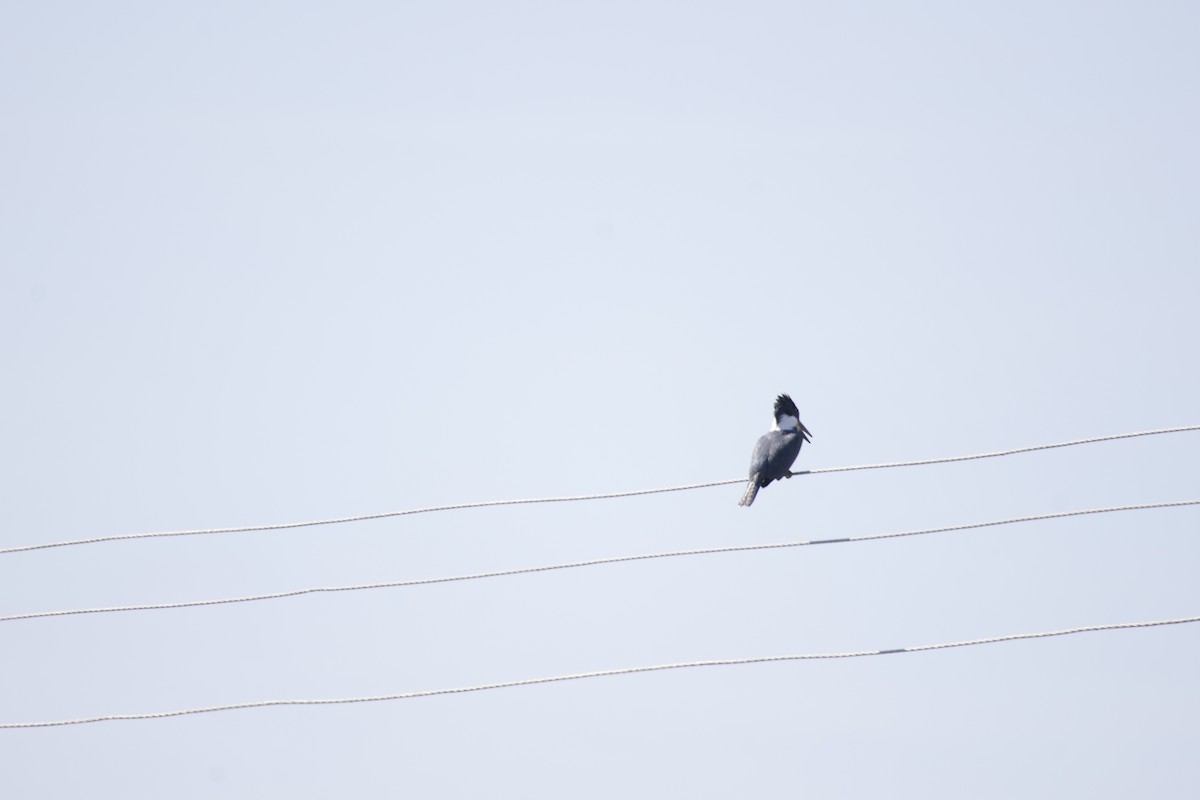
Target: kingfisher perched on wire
776	451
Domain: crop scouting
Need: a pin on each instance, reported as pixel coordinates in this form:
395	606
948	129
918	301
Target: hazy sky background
269	262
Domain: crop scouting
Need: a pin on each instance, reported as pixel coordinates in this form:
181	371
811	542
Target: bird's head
787	417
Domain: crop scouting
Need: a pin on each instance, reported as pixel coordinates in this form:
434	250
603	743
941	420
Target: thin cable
999	453
590	563
597	674
567	499
364	517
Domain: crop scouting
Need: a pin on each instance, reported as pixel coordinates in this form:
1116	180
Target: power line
363	517
999	453
588	563
573	498
598	674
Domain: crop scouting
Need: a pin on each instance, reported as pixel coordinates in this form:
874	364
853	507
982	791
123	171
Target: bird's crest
784	405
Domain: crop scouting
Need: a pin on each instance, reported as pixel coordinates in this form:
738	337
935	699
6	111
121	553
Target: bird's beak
804	432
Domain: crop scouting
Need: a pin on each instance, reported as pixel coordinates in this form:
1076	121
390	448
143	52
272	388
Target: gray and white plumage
776	451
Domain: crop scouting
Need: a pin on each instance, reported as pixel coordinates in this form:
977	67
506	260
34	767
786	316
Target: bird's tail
751	491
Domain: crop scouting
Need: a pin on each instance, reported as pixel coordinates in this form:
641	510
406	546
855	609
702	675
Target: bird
776	450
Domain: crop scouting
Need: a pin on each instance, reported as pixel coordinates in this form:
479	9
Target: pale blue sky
266	262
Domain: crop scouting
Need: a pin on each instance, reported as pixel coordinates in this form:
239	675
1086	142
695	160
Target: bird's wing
782	449
762	452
